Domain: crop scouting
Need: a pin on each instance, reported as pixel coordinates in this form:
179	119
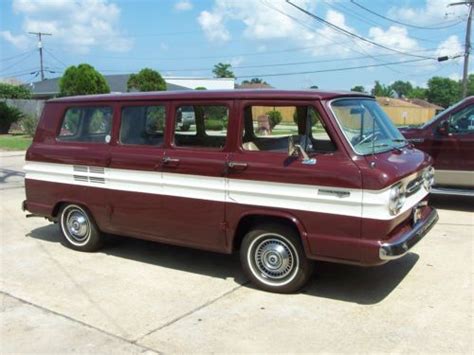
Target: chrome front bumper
398	248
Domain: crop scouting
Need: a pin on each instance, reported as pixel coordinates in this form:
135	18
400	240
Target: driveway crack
47	310
184	315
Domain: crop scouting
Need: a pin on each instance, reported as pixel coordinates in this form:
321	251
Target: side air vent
80	168
96	170
96	180
81	178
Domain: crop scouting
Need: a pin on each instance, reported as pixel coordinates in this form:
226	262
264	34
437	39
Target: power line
403	23
16	56
351	34
333	69
17	62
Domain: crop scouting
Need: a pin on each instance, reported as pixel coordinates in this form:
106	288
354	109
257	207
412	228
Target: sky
383	40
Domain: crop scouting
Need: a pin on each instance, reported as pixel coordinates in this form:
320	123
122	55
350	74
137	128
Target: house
49	88
408	112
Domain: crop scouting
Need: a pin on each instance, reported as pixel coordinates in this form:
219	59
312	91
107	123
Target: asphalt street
142	297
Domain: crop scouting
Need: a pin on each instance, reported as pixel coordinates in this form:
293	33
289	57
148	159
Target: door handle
167	161
233	165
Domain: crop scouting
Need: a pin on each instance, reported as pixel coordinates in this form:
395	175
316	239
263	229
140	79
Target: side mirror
296	150
443	128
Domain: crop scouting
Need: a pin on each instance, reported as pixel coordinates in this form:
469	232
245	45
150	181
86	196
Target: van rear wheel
274	260
78	229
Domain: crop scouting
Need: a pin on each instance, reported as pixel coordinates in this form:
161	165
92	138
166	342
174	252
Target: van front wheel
274	260
78	229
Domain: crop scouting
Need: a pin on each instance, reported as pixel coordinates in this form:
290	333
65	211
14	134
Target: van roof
213	94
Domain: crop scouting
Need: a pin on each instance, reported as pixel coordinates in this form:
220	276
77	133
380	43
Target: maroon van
449	139
283	177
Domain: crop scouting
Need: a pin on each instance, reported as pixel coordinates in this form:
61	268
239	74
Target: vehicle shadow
455	203
356	284
335	281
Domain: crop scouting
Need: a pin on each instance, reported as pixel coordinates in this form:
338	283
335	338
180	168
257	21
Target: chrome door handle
237	165
170	161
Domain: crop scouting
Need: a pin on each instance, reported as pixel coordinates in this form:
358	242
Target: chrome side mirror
296	150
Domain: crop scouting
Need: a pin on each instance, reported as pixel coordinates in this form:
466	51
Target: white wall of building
208	83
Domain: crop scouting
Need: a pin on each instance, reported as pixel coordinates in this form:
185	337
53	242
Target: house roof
117	83
216	94
390	101
253	86
424	103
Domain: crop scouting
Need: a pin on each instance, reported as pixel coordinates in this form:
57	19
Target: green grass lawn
14	141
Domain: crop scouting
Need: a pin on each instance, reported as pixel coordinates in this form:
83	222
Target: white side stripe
332	200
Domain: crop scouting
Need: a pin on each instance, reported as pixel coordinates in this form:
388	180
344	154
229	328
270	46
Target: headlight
396	199
428	178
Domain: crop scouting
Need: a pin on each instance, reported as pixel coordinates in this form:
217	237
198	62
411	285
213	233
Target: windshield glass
366	126
442	113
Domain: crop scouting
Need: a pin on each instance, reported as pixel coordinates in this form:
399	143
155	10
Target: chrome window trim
330	102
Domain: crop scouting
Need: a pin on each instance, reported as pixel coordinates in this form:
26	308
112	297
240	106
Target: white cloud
433	13
276	19
183	5
394	37
236	61
77	25
19	41
213	26
450	47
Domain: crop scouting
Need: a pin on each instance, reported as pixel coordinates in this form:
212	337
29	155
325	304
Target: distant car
185	118
449	139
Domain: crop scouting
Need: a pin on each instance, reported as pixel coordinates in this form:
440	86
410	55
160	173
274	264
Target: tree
358	88
200	88
402	88
146	80
255	81
222	70
9	91
443	91
82	80
470	85
274	117
382	90
8	115
314	87
417	93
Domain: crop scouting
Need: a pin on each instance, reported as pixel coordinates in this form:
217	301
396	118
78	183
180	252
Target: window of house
86	124
202	126
268	128
142	125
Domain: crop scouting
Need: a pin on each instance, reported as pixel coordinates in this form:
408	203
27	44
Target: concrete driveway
136	296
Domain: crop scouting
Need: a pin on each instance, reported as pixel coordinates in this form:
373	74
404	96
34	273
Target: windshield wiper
387	146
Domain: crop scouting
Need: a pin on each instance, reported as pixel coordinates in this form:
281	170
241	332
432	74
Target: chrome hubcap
274	259
76	225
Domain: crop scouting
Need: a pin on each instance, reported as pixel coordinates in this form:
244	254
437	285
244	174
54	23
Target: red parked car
334	180
449	139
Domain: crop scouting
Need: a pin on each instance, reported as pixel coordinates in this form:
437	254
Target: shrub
28	124
215	124
8	115
9	91
274	117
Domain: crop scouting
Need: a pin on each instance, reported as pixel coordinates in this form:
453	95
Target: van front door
193	173
324	192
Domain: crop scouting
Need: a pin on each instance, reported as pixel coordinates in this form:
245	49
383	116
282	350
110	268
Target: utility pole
467	45
40	47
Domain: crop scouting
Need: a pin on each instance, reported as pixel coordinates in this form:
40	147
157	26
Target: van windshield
366	126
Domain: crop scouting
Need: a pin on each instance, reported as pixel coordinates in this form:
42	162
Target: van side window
86	124
267	128
203	126
143	125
